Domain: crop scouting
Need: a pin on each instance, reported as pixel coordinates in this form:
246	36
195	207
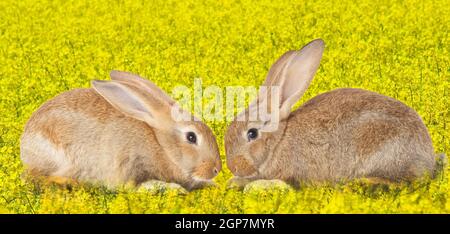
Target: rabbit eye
252	134
191	137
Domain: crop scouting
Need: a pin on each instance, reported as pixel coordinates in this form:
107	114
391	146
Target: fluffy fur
84	136
336	136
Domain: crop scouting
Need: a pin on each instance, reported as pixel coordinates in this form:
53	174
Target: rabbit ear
272	77
298	74
135	103
293	73
142	83
275	70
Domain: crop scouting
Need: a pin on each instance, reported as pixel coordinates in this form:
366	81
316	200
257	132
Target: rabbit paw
267	185
158	186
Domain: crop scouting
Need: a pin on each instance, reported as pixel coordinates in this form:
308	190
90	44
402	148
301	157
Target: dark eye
191	137
252	134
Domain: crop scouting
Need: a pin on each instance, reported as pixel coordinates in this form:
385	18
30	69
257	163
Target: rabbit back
352	133
79	135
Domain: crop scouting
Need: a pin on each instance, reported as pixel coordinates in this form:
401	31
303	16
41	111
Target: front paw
267	185
157	186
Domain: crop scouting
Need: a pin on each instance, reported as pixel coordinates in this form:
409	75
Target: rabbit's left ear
297	74
164	103
142	83
137	103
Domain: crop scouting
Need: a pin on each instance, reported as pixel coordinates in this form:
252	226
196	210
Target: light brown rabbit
118	132
336	136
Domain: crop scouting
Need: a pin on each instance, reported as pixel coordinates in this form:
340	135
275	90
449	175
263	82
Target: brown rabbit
118	132
336	136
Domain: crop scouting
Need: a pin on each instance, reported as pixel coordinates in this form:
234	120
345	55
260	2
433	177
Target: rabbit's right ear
292	73
135	103
276	69
272	79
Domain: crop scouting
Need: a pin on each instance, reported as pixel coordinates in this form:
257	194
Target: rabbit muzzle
241	166
207	170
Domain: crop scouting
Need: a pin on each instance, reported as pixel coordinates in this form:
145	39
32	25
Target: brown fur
80	136
372	135
336	136
322	143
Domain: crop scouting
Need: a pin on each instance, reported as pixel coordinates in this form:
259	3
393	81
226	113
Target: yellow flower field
397	48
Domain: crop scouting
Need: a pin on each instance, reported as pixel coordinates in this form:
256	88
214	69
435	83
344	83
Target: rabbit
337	136
118	132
